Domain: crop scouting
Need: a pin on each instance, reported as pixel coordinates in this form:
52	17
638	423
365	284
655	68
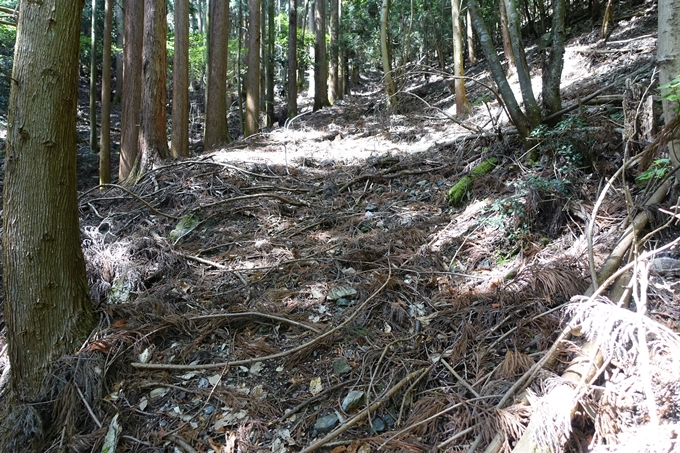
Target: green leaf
186	225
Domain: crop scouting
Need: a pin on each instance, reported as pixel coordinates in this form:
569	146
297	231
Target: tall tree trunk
263	56
119	55
340	93
533	112
201	15
505	34
520	120
239	48
252	120
320	63
472	58
105	151
94	145
269	107
669	66
390	88
334	84
132	81
458	60
292	58
552	70
153	136
216	129
180	82
46	296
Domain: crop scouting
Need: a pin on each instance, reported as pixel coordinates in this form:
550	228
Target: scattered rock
326	424
341	367
353	401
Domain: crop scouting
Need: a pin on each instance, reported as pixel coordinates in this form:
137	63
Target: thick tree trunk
180	82
334	84
94	145
532	111
105	145
216	129
47	305
390	87
320	63
153	140
270	63
458	60
132	81
252	120
292	58
518	118
669	65
552	71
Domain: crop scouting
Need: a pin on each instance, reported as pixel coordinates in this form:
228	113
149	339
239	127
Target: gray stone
378	425
341	367
326	424
353	400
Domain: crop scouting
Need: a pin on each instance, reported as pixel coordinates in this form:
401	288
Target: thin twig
116	186
255	313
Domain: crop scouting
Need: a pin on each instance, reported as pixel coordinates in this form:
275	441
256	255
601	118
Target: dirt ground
312	288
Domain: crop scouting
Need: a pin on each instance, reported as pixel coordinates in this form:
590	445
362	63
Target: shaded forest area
314	286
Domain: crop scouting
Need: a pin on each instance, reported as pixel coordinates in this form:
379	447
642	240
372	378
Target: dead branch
256	314
250	197
129	192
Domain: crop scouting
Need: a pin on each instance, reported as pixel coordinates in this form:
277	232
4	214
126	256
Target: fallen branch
129	192
250	197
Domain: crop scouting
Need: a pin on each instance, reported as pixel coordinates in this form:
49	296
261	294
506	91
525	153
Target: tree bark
153	142
518	118
292	58
47	305
252	120
180	82
532	111
269	104
552	70
472	58
105	145
669	65
320	63
334	84
505	34
458	61
119	55
94	145
216	128
132	81
390	87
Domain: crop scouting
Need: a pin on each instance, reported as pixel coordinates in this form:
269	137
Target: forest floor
311	287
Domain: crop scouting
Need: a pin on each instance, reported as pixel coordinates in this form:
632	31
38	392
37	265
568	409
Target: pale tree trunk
46	296
552	70
458	60
520	120
94	145
132	81
153	143
269	107
505	35
472	58
239	48
342	52
216	129
180	82
390	88
201	15
105	151
334	84
533	112
263	56
292	58
119	55
320	63
669	65
252	120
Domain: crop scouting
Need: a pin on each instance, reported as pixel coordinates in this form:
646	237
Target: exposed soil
314	278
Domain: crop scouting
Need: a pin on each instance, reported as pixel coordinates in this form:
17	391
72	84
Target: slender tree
216	129
132	81
119	44
153	143
180	82
105	145
472	58
458	60
334	82
252	123
94	145
390	87
505	35
269	104
292	58
46	297
320	63
552	66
